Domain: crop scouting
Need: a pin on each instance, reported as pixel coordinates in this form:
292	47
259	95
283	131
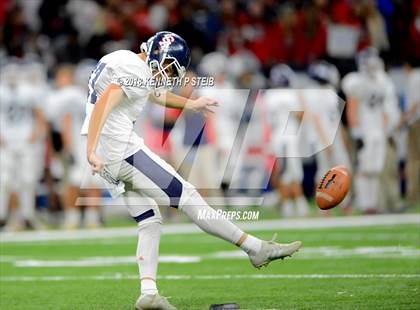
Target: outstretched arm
109	99
201	104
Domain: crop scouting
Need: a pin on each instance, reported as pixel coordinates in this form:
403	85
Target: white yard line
102	261
382	252
390	252
119	276
272	225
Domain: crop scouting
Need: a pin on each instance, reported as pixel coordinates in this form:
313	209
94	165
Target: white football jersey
324	104
282	105
231	103
372	95
413	93
118	140
17	118
68	100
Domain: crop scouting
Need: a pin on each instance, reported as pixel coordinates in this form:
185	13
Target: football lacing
323	180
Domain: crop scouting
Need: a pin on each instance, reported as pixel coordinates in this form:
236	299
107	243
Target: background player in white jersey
226	119
390	198
411	118
325	108
117	95
66	109
282	104
22	125
368	92
196	157
250	172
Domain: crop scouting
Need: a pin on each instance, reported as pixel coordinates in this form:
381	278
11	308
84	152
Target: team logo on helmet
166	50
166	41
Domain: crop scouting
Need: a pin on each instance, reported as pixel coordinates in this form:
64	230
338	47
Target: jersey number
92	95
17	113
376	100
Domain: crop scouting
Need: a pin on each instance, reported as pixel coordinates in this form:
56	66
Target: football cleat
271	250
155	302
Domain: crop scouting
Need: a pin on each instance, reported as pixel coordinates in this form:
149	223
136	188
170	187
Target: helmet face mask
167	55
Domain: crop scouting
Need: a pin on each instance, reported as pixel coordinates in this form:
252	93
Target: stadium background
297	33
347	262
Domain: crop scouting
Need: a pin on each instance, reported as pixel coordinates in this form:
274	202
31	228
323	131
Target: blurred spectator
15	32
376	27
310	35
414	37
282	35
296	32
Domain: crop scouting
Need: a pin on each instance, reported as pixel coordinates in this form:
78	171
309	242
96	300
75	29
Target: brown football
333	187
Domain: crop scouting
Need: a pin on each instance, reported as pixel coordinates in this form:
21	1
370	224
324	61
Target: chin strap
144	49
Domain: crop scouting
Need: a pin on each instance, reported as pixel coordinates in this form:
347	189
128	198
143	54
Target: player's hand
96	163
202	105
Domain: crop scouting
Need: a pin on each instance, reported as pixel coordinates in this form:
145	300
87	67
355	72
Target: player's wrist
91	154
190	104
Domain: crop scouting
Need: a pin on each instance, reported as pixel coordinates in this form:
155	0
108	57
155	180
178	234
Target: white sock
148	287
216	225
366	190
287	208
92	218
27	202
251	245
72	217
302	206
4	200
374	186
147	256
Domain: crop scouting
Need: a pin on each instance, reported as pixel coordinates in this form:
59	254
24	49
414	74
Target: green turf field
340	268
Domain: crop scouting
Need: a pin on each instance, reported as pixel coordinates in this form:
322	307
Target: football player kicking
121	158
